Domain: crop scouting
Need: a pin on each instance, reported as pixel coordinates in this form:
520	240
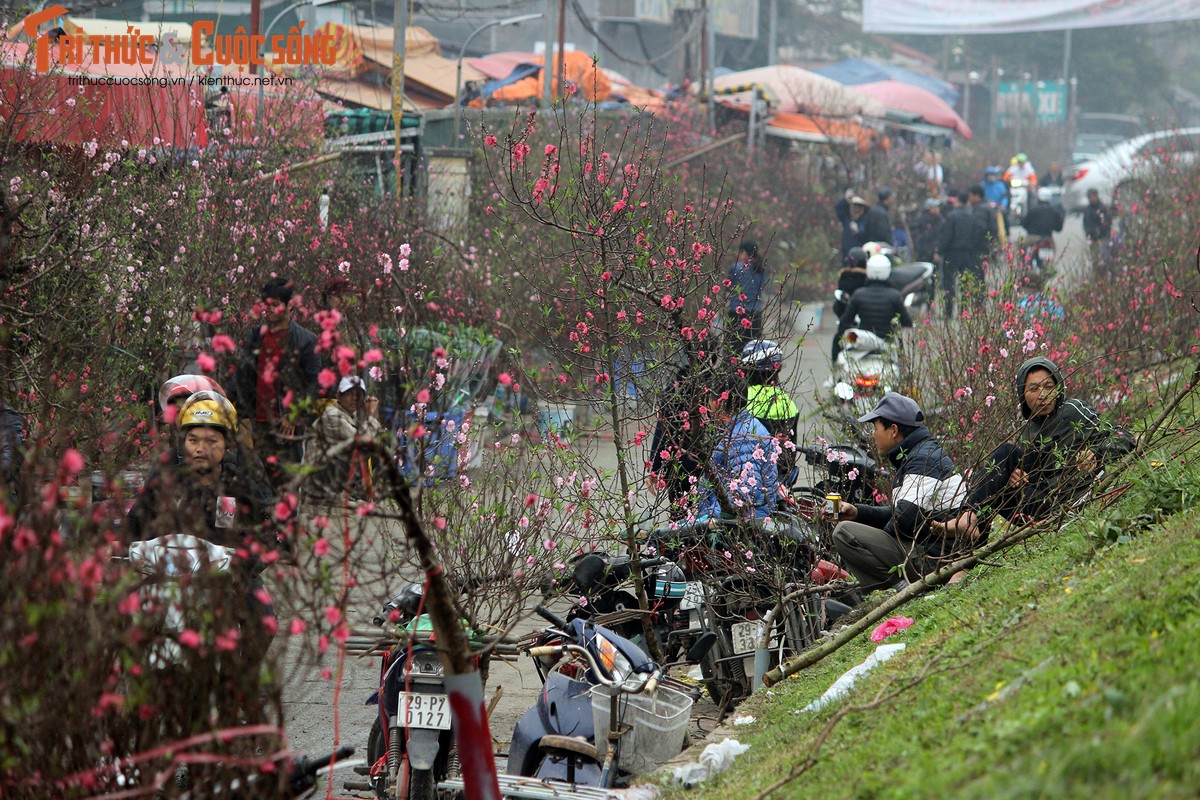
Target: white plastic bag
716	758
842	686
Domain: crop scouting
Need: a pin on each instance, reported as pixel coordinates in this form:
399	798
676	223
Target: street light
267	38
463	51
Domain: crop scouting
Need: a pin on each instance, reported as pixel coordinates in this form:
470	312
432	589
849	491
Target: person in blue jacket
995	191
744	458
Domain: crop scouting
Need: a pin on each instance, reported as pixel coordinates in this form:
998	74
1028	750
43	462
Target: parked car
1128	160
1095	133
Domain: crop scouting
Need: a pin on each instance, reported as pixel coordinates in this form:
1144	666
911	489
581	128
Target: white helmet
876	248
879	268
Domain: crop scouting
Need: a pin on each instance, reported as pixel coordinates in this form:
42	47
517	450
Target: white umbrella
796	90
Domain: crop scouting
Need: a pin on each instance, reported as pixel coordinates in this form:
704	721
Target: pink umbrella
899	96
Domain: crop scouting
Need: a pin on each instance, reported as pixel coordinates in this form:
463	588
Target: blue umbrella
857	71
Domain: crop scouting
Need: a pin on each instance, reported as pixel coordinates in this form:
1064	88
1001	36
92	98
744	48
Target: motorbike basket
659	725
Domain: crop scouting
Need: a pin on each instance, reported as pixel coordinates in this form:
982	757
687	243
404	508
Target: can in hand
833	505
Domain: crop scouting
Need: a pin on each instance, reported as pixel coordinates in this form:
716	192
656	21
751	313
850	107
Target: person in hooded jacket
876	307
1054	458
887	545
744	456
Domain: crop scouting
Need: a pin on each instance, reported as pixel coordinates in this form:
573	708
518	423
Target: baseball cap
932	202
896	408
349	382
858	201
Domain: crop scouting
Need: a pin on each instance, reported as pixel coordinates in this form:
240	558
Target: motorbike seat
570	744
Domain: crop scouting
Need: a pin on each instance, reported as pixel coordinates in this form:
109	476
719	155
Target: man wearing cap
277	373
876	226
849	210
885	546
341	470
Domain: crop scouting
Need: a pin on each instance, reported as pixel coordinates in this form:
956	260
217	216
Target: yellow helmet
208	409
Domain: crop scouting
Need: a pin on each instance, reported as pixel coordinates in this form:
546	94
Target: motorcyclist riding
995	191
876	306
1023	170
850	279
199	490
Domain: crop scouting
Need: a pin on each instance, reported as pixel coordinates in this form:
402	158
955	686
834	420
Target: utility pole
548	56
562	48
399	45
772	33
255	30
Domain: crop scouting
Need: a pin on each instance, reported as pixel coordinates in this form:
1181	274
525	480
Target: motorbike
914	280
411	743
601	581
864	371
301	779
849	471
1039	253
167	563
605	712
1018	199
739	600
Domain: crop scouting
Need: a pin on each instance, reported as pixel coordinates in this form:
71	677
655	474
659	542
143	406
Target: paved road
316	685
311	698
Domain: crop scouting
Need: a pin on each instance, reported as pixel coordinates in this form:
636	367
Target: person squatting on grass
887	545
1053	460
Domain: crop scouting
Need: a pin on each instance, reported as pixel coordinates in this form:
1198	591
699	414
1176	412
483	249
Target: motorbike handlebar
551	617
545	650
304	773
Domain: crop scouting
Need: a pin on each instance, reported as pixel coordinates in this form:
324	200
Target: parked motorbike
736	574
411	743
605	712
301	780
845	469
602	583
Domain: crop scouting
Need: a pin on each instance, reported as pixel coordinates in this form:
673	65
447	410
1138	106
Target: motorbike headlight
617	664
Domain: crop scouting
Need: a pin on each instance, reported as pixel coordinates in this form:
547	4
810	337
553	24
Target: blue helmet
992	171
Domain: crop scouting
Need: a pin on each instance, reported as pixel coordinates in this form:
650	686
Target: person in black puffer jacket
886	545
876	306
1054	458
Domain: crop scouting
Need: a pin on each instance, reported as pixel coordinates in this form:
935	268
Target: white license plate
1045	254
746	636
693	597
430	711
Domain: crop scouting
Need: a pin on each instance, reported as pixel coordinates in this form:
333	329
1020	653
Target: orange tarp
818	129
588	79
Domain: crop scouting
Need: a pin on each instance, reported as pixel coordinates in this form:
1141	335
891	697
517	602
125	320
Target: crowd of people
961	231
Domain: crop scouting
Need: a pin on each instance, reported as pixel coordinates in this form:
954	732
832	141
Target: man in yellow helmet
199	490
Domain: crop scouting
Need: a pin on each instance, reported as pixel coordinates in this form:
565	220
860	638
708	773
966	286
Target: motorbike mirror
588	571
699	650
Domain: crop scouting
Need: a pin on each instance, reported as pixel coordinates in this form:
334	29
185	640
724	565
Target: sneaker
900	585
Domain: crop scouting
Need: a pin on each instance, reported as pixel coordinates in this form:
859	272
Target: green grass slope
1068	670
